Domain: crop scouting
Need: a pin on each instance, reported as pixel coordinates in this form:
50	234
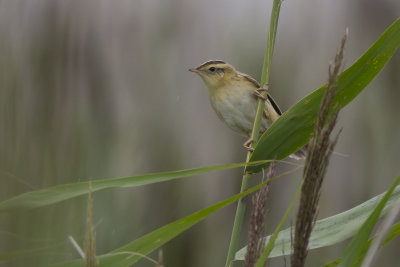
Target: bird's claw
247	144
258	92
259	95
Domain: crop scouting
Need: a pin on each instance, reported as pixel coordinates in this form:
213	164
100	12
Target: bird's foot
247	144
259	92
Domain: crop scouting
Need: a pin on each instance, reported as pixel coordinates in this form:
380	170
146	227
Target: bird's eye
212	69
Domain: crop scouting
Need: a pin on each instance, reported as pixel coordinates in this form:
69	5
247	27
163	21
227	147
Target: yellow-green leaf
293	129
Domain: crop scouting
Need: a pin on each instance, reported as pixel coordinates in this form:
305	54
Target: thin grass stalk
319	150
241	207
90	237
160	259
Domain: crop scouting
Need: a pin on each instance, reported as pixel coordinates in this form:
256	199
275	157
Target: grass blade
393	232
379	238
44	197
331	230
132	252
351	255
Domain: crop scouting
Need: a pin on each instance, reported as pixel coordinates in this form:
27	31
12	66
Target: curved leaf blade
393	232
44	197
355	249
293	129
130	253
331	230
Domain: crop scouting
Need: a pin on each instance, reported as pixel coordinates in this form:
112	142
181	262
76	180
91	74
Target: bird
233	96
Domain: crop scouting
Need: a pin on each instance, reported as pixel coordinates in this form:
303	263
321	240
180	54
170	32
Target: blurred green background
96	89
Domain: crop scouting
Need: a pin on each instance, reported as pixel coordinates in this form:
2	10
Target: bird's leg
247	144
258	92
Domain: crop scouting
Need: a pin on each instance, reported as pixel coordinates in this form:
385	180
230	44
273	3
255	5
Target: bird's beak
194	70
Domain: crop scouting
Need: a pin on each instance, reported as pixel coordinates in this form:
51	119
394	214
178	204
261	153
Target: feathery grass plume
257	227
90	236
319	149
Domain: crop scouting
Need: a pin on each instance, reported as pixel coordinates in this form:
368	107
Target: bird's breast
236	107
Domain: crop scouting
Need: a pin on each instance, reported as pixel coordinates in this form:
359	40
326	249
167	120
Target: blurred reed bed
97	89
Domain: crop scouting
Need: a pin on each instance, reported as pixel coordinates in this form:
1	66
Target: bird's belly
237	110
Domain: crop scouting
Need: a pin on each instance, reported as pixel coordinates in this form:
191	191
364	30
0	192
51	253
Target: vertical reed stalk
90	238
241	207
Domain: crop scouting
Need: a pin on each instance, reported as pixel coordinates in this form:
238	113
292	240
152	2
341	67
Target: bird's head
215	73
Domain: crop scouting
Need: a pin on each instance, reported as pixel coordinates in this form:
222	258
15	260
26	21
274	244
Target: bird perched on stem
233	96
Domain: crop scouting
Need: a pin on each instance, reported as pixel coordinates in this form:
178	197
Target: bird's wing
270	113
276	111
274	105
250	79
271	100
